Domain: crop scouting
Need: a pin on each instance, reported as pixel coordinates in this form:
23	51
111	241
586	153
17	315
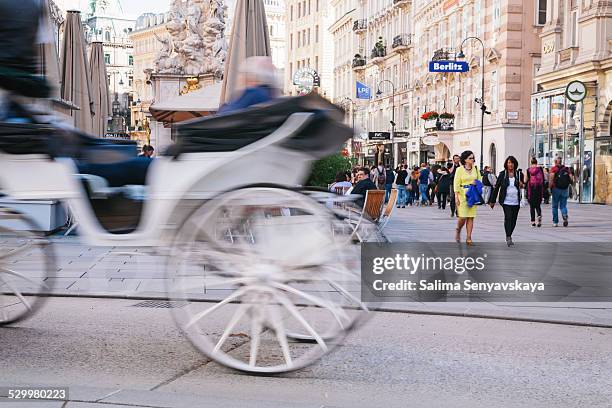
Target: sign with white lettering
448	66
379	135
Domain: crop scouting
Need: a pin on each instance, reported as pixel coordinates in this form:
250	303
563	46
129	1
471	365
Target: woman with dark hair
508	186
465	175
535	191
341	181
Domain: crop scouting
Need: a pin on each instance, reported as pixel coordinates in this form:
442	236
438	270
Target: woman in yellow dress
465	175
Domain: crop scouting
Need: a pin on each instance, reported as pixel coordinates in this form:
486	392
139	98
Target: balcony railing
360	25
401	3
401	40
359	62
441	124
379	52
443	54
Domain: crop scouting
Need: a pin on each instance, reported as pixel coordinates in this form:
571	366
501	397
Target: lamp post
483	107
378	93
353	104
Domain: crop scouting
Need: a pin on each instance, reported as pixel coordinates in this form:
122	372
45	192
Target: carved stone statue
196	43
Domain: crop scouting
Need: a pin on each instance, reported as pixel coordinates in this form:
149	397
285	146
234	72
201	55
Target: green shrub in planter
324	171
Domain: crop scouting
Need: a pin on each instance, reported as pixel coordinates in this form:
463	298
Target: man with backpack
380	176
560	181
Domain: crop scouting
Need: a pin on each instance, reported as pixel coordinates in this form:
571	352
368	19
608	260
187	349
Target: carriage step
161	304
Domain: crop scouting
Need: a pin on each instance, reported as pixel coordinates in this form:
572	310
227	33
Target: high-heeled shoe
469	242
457	235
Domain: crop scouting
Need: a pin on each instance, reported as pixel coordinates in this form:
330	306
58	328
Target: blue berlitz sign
363	92
448	66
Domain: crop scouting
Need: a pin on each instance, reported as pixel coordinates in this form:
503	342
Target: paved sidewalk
113	272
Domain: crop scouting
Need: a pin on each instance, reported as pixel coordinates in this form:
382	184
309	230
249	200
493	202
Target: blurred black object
20	21
323	135
41	138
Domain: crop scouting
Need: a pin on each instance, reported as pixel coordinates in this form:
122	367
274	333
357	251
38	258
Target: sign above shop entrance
576	91
448	66
431	140
379	135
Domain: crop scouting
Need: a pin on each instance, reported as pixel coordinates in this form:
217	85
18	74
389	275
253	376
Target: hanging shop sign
576	91
448	66
431	140
379	135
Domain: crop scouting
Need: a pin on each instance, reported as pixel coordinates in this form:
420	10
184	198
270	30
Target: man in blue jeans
559	181
424	184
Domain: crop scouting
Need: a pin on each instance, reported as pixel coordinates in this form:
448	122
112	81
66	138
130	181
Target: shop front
566	128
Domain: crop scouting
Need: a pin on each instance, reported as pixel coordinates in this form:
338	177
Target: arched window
107	36
493	157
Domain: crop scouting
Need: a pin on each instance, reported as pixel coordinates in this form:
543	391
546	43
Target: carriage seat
321	136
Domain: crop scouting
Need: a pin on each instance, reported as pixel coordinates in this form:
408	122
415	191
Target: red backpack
536	177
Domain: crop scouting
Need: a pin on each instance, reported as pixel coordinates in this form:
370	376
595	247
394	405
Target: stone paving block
106	285
152	285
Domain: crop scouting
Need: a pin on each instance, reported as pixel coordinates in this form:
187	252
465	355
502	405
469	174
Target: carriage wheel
278	267
26	263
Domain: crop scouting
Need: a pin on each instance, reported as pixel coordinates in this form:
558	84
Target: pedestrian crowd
463	187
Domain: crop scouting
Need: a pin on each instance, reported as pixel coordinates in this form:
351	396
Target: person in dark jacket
400	182
364	184
509	184
452	168
443	187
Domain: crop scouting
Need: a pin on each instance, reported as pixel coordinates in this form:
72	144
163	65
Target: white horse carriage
224	207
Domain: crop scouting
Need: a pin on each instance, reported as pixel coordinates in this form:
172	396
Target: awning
195	104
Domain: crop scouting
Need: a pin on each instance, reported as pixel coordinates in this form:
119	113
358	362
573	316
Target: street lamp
353	104
392	121
480	101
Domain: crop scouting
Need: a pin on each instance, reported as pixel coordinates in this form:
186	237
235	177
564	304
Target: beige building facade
309	45
576	46
396	41
382	61
510	34
146	47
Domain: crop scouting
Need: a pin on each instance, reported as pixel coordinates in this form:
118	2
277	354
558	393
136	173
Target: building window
291	13
316	67
317	6
309	36
316	34
494	96
464	24
541	11
291	41
107	36
107	60
496	14
452	31
574	28
130	81
308	7
299	7
299	38
130	60
477	25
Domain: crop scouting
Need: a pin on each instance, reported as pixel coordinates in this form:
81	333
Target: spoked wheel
281	272
26	261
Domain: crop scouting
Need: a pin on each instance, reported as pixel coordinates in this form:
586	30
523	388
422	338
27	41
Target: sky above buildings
137	7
